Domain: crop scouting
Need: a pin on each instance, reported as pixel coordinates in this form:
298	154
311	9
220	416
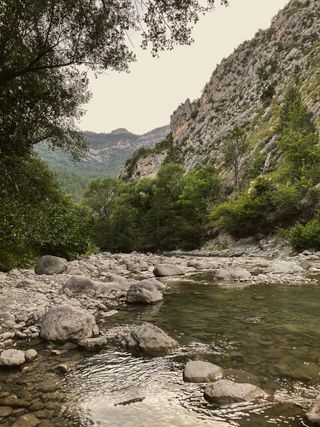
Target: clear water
265	335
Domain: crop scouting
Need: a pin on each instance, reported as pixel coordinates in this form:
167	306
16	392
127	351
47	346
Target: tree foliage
167	212
43	43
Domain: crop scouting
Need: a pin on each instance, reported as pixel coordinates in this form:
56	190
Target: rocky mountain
246	91
106	152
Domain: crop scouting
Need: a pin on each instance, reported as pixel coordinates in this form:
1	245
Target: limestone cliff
246	90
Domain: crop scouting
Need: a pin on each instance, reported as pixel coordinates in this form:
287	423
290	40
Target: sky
146	97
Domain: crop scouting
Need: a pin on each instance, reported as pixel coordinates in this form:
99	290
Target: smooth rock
5	411
151	340
313	414
93	344
285	267
49	264
227	391
31	354
163	270
143	293
12	357
80	285
66	323
233	274
28	420
197	371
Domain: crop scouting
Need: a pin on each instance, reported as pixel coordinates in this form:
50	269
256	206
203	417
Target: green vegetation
167	212
279	199
36	218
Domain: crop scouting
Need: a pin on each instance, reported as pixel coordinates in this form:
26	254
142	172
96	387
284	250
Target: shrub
260	210
305	236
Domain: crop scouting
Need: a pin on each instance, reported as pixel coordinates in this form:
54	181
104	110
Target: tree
43	43
233	151
299	141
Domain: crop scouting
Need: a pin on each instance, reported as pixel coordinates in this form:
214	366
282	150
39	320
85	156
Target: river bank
26	297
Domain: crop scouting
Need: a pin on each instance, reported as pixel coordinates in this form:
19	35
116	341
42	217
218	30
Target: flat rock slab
66	323
49	264
285	267
197	371
150	340
163	270
227	391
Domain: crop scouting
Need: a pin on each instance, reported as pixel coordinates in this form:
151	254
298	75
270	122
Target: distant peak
119	131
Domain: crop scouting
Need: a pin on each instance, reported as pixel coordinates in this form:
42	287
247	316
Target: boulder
93	344
66	323
159	285
227	391
233	274
12	358
143	293
285	267
163	270
49	264
31	354
197	371
80	285
151	340
313	414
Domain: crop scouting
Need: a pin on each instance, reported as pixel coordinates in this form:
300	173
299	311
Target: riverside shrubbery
36	218
286	196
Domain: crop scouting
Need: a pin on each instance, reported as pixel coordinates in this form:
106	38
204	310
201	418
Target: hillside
246	91
106	153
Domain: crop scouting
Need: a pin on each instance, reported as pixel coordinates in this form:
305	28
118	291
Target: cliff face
246	91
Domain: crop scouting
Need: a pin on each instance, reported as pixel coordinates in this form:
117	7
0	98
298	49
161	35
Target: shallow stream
265	335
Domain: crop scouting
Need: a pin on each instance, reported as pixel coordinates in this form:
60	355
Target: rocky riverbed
53	315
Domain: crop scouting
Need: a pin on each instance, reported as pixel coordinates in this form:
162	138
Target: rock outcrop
246	90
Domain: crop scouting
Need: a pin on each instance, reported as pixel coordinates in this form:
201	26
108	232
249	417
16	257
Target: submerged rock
197	371
227	391
66	323
313	414
143	293
150	339
93	344
28	420
163	270
12	358
49	264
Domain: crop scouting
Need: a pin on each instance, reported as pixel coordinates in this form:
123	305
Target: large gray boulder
80	285
233	273
197	371
150	339
313	414
66	323
49	264
226	391
163	270
12	358
143	293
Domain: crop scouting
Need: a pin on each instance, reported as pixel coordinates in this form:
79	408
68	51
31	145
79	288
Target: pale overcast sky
146	97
